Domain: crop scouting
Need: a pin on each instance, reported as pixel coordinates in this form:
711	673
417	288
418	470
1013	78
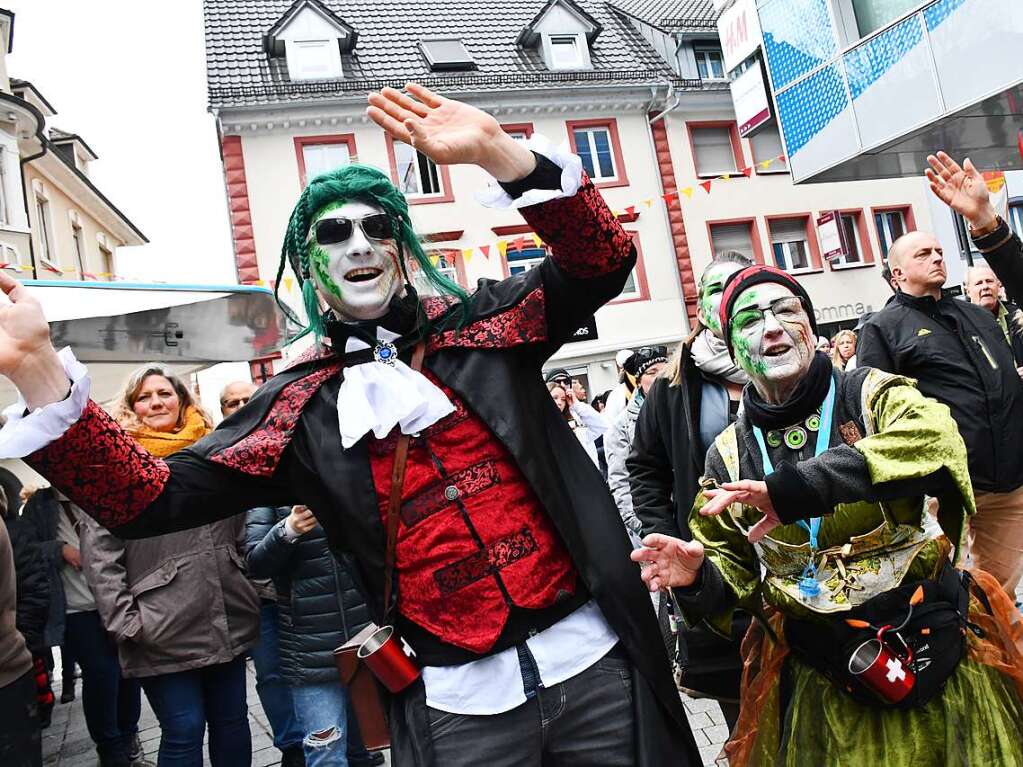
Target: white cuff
571	177
22	435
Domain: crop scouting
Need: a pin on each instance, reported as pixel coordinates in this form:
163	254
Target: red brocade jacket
506	525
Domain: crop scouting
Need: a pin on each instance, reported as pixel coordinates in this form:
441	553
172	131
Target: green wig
333	189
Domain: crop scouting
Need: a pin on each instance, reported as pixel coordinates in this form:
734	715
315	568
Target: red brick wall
238	207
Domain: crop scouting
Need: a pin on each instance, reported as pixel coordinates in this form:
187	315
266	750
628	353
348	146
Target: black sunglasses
331	231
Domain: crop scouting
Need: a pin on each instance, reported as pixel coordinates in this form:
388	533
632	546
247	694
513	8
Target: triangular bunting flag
765	164
537	241
631	210
648	203
261	283
725	176
747	172
288	282
485	250
435	260
467	255
688	192
782	158
502	248
670	198
706	185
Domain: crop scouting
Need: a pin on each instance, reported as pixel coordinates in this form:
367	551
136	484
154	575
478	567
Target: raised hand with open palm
27	355
449	132
962	188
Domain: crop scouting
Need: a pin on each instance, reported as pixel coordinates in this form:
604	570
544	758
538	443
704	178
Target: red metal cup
882	670
386	658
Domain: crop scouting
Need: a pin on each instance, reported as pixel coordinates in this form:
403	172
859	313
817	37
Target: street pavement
66	742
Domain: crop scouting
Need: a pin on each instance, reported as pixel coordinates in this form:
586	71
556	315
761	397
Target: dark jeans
586	721
111	703
273	691
20	737
186	701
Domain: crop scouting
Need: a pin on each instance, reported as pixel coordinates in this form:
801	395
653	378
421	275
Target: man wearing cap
645	364
812	505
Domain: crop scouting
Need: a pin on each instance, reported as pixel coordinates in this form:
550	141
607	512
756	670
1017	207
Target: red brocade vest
474	539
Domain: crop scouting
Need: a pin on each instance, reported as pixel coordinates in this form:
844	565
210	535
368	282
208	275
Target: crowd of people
830	531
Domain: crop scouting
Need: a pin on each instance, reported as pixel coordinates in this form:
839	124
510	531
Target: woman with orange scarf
180	606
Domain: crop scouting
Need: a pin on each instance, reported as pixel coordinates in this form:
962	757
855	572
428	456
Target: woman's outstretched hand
668	562
449	132
27	356
749	493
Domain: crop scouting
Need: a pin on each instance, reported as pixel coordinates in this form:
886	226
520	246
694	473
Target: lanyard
808	584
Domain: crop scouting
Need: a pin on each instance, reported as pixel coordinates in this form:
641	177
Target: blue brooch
385	352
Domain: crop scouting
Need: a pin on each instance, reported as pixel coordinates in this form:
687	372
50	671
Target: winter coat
957	353
173	602
33	589
617	446
42	511
588	426
321	607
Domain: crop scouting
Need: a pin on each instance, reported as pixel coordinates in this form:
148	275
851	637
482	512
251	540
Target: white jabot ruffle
376	396
571	177
24	434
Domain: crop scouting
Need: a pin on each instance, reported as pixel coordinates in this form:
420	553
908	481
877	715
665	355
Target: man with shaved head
959	356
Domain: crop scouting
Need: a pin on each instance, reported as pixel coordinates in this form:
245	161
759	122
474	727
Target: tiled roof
672	15
239	71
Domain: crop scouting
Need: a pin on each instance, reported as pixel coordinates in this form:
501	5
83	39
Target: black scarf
405	316
808	395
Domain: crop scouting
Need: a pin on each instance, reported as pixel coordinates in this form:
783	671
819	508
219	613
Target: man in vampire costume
874	648
513	580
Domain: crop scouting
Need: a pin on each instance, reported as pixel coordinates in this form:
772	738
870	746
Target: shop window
872	15
790	244
714	149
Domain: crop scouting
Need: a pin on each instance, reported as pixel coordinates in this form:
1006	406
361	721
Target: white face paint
773	346
356	278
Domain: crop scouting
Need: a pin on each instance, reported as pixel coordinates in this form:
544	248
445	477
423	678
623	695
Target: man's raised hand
27	356
962	189
449	132
668	562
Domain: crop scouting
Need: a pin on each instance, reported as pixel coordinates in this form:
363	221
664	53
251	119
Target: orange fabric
1001	648
163	443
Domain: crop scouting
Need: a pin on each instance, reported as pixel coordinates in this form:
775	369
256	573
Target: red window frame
866	243
333	138
445	179
758	250
526	128
642	286
622	177
455	256
907	215
733	134
816	263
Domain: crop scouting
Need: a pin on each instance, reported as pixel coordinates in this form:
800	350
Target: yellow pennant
688	192
502	247
288	283
764	164
725	177
648	203
435	260
261	283
467	255
537	240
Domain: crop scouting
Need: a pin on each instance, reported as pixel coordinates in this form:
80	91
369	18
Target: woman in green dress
870	647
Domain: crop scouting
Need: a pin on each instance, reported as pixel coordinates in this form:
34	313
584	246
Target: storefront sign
749	97
830	235
739	30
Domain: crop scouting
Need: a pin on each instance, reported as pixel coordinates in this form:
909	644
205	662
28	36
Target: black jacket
665	467
959	356
1003	252
33	587
320	606
42	512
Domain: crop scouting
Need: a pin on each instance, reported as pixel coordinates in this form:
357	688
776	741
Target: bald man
959	356
234	395
984	289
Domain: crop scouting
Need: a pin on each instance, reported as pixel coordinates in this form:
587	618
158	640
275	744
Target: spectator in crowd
686	408
644	365
321	609
179	605
587	424
985	290
843	349
824	345
958	355
274	693
599	403
20	733
622	393
111	703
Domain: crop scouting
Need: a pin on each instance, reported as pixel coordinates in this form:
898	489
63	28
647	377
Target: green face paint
319	260
712	284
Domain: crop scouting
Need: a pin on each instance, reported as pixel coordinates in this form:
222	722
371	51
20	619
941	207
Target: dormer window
562	32
312	39
446	54
566	52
